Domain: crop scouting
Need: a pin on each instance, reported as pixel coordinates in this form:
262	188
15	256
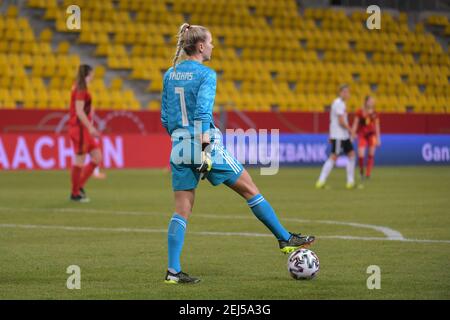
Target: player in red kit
83	133
367	127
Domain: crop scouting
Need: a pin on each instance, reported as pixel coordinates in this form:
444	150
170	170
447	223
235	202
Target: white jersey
336	130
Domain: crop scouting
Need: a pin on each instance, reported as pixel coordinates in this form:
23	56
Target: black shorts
339	146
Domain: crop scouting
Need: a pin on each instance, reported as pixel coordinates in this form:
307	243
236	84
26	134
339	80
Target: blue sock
264	212
175	239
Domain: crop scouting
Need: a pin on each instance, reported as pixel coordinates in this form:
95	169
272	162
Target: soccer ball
303	264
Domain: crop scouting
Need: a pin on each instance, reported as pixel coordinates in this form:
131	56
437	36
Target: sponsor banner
414	150
52	151
313	149
43	152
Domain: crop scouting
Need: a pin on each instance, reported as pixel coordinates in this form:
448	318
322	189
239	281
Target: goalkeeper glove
206	164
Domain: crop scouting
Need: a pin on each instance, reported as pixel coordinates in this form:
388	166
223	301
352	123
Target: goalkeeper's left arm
204	113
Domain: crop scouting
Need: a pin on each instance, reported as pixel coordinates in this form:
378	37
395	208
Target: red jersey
366	122
85	96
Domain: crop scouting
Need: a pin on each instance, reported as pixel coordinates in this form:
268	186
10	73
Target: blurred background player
367	127
82	133
341	140
188	96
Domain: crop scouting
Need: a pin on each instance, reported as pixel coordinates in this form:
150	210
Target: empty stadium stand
269	55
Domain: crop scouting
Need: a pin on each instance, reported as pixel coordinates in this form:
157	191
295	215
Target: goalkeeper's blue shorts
225	169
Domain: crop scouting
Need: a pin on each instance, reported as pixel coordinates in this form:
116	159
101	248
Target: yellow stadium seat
46	35
12	12
99	71
116	84
313	52
63	48
154	105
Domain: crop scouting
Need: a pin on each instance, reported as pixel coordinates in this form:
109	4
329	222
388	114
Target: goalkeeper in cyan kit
188	95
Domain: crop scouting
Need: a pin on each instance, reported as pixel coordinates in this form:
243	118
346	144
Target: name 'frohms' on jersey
181	76
188	96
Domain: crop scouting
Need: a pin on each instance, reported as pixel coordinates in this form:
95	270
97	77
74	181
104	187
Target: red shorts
369	140
82	141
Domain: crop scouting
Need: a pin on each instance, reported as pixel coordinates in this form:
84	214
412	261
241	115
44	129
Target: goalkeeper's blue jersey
187	101
188	96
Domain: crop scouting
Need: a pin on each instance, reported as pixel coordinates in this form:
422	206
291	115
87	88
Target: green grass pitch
119	240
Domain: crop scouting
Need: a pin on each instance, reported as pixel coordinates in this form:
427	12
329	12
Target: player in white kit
341	137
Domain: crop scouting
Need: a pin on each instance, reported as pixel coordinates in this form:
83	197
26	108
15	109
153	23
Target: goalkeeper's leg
184	201
262	209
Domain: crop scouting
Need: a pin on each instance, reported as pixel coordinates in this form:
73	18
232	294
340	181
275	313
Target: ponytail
180	43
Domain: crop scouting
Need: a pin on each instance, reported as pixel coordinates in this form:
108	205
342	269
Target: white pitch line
202	233
391	234
75	210
73	228
388	232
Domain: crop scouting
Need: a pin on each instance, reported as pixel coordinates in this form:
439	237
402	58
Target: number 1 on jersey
184	117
